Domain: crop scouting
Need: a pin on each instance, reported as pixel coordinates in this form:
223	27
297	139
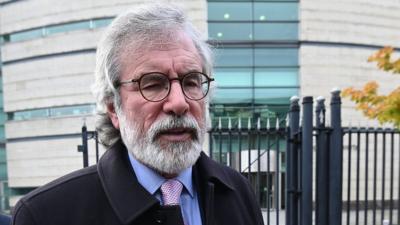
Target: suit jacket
109	194
4	220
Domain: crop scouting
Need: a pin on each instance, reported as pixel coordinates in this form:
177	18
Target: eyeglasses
155	87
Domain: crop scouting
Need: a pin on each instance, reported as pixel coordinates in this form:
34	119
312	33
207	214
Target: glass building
256	58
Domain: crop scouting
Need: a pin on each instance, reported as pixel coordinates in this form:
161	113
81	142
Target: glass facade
40	32
256	58
53	112
256	73
3	158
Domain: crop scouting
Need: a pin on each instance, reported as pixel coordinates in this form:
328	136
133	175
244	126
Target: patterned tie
171	192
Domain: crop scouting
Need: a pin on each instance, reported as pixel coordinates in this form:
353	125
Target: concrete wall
336	36
35	157
52	81
356	21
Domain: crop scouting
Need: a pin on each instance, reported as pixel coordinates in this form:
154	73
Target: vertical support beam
291	163
96	138
84	148
322	164
336	159
307	161
210	143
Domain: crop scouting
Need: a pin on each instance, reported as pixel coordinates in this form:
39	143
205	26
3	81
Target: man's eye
192	83
153	86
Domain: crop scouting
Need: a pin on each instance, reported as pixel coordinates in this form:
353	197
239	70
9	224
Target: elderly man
152	78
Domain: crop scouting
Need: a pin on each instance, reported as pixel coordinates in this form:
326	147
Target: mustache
174	124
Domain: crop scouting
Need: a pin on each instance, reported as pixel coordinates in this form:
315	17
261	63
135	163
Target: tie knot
171	192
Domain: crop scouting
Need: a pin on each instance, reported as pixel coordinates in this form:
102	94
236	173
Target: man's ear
113	115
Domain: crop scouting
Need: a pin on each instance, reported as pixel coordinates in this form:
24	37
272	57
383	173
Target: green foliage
384	108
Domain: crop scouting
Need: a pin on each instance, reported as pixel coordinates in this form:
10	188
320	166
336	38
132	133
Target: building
273	49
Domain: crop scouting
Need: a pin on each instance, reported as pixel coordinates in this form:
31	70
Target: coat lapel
208	176
130	200
126	196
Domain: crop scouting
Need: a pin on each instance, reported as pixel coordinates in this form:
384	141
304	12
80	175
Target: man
152	79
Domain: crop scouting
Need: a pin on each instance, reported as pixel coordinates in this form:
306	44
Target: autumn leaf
384	108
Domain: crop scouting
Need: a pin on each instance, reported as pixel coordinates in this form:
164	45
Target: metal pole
322	162
307	161
84	148
336	158
291	165
96	138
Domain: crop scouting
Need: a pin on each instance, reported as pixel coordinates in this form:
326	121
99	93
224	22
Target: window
256	57
54	29
53	112
253	20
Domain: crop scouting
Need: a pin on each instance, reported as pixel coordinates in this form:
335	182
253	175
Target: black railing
87	135
259	154
371	175
299	169
280	163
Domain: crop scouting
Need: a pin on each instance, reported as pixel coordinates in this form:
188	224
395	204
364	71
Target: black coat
110	194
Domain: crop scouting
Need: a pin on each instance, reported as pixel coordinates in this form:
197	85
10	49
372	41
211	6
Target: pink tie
171	192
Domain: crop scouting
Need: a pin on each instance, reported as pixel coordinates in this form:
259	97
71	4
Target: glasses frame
180	79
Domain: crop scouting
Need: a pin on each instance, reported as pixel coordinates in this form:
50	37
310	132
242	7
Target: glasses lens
154	86
195	85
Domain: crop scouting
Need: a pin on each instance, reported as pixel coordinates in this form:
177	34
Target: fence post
306	161
322	162
291	163
84	147
336	158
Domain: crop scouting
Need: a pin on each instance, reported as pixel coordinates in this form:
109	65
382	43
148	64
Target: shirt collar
152	181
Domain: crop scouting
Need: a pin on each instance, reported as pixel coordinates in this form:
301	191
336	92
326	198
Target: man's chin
170	159
167	144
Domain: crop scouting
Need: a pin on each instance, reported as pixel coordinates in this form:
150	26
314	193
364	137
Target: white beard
169	158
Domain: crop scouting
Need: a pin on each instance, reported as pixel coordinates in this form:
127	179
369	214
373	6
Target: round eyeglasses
155	87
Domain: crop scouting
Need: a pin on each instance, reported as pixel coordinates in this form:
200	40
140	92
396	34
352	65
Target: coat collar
126	196
130	200
208	170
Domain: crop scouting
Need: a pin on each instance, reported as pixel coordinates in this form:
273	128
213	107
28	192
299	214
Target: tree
384	108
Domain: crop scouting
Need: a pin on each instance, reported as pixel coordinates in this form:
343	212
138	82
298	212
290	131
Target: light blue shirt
152	182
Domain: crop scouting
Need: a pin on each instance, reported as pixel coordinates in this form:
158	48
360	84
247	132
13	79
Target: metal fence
259	154
371	183
311	172
308	172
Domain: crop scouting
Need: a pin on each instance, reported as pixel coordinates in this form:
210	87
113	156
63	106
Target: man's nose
176	102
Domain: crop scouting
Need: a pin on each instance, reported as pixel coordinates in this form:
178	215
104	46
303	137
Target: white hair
138	29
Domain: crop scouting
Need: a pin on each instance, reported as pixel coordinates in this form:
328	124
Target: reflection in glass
273	11
43	31
101	22
235	11
276	31
53	112
68	27
26	35
229	95
233	77
274	95
276	56
229	31
276	77
234	57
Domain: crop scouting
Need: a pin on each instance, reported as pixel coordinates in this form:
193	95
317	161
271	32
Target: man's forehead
145	55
